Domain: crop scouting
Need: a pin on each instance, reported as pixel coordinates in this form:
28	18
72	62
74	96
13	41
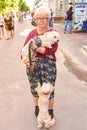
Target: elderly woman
44	69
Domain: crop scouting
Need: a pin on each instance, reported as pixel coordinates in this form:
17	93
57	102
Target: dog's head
53	36
46	88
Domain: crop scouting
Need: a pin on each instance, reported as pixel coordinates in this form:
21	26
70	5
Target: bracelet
35	49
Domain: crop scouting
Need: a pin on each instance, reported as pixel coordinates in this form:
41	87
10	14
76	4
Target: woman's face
42	21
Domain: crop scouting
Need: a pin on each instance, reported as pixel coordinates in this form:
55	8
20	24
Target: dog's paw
40	126
49	123
47	126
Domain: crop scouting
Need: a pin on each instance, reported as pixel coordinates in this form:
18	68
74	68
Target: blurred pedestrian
20	17
8	25
25	15
32	14
1	27
51	19
68	20
13	24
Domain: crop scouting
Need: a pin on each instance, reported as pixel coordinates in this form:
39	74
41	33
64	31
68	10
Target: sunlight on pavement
25	32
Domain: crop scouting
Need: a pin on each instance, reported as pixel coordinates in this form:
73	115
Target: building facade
59	7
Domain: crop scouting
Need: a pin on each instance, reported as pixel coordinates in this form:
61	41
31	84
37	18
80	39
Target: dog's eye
54	36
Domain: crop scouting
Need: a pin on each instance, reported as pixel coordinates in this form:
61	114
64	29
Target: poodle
46	40
44	118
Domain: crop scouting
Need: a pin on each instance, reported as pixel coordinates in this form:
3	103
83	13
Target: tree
2	6
23	6
11	5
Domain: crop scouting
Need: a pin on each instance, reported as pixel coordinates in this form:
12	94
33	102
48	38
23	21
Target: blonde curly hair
43	10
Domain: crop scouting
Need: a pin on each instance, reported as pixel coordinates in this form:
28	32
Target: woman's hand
27	63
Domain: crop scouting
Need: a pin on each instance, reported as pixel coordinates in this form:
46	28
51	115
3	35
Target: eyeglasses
42	19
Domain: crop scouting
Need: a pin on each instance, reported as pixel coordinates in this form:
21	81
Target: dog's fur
44	118
47	40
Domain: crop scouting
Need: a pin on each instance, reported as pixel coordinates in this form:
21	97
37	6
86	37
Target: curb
74	65
85	48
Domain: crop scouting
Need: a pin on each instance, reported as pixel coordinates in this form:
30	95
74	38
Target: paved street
16	104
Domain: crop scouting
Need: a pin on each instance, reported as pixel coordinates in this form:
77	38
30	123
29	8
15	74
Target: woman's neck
42	30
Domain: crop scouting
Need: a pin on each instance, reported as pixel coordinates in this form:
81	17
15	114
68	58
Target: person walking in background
8	25
24	15
68	20
13	24
32	14
45	59
51	19
1	27
19	17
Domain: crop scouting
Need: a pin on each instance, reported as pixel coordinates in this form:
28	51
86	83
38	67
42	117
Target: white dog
44	118
46	40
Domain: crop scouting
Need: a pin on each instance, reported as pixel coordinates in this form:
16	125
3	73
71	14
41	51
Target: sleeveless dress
8	23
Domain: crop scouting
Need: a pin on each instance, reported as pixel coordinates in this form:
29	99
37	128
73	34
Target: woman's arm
44	50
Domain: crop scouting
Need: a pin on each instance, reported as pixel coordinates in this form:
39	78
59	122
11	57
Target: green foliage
23	6
11	5
2	5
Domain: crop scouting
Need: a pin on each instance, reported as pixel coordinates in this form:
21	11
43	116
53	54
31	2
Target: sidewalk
16	103
71	88
74	49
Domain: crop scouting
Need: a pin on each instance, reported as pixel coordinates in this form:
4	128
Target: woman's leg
0	32
36	106
35	101
3	31
51	103
70	26
65	26
50	107
7	31
11	34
